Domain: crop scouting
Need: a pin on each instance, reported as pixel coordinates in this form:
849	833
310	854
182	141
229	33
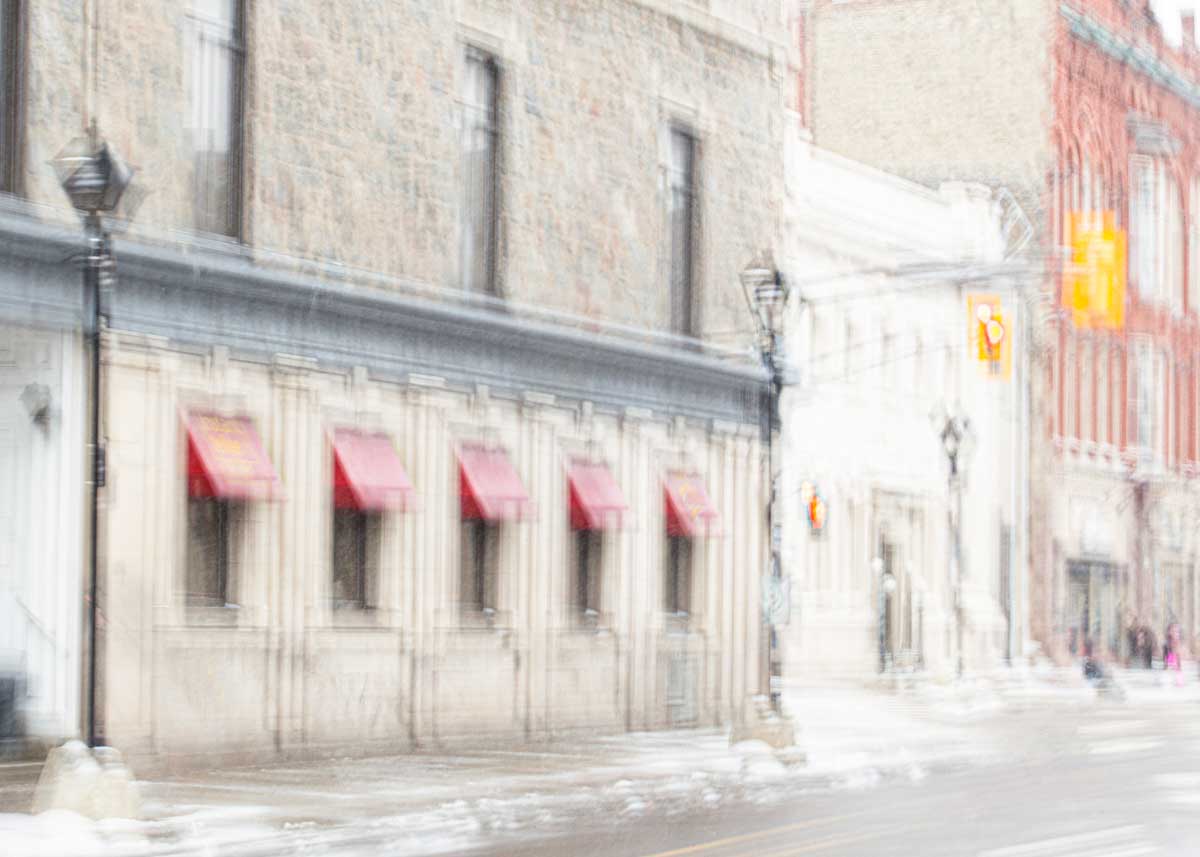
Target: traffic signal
816	514
815	510
990	335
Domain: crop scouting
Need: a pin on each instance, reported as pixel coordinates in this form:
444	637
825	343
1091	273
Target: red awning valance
367	473
226	459
596	501
689	511
489	486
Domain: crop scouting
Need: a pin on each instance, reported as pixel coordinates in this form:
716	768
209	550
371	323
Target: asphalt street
1103	781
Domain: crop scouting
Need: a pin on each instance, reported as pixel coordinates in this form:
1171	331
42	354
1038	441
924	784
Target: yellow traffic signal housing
989	335
816	513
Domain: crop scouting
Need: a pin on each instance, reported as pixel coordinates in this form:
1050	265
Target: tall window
678	583
681	185
216	69
1103	433
10	93
1087	354
1148	394
1175	240
478	554
355	557
209	551
478	213
588	548
1144	228
1193	295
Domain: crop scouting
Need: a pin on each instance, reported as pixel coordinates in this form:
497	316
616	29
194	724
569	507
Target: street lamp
94	180
958	442
767	295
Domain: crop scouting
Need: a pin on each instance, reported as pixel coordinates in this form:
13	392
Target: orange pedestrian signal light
989	337
1093	288
816	514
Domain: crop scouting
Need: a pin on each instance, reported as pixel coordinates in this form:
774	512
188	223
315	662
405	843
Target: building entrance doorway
1092	608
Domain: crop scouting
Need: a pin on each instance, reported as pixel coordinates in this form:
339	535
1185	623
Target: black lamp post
94	179
958	442
767	295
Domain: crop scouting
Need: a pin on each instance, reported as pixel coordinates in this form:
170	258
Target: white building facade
880	343
41	521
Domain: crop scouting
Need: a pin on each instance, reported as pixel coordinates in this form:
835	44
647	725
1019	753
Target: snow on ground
426	804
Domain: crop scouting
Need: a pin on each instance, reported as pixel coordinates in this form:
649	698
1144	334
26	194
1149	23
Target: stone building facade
496	249
880	342
1095	112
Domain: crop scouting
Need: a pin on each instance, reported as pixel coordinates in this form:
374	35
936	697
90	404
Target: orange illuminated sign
1094	277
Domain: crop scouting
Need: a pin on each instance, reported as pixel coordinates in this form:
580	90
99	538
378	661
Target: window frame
1192	282
587	563
474	56
679	580
13	44
223	536
1145	211
367	529
479	549
681	265
236	51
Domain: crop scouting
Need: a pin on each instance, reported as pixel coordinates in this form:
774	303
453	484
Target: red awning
596	501
689	511
367	473
489	486
226	459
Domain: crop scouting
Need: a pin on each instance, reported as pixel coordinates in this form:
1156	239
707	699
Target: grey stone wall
937	90
352	134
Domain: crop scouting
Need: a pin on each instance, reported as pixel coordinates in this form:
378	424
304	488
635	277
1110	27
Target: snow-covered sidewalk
850	736
426	803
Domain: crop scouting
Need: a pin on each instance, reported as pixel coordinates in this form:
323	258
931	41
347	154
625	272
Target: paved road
1109	781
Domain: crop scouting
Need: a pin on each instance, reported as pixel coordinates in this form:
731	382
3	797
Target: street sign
776	600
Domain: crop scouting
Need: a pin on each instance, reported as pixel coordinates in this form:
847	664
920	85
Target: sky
1168	12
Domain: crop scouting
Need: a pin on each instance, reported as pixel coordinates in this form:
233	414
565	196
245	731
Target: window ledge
471	619
590	623
209	615
351	617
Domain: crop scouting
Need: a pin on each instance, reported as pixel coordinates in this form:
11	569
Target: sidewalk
428	803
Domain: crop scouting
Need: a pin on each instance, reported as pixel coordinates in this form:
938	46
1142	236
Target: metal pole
774	666
956	481
91	296
882	620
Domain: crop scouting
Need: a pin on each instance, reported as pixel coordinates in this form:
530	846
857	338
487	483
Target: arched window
1193	291
1173	272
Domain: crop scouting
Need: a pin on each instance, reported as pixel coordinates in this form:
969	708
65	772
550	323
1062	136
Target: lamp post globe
92	175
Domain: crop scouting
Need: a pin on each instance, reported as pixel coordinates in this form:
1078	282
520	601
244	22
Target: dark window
11	44
355	557
588	549
209	540
480	543
217	81
477	251
679	575
681	181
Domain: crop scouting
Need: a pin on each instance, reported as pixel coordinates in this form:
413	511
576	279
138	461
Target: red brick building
1126	138
1076	106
